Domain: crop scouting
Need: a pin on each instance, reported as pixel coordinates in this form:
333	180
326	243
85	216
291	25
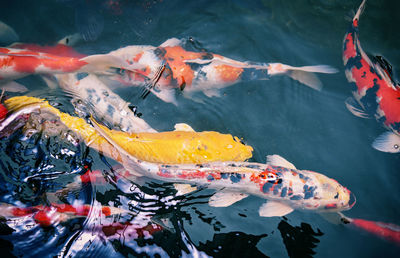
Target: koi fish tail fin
105	64
303	74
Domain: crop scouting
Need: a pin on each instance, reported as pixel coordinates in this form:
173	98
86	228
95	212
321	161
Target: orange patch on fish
228	73
181	71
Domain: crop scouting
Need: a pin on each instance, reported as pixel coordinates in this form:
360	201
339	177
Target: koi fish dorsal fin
183	127
225	198
387	142
172	42
274	209
276	160
184	188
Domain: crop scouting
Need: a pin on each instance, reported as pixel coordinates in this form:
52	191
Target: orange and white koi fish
16	63
202	71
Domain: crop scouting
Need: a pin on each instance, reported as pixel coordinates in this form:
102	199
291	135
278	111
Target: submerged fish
202	71
90	93
48	215
374	90
180	146
387	231
17	63
285	187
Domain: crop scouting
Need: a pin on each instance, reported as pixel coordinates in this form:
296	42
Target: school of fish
187	158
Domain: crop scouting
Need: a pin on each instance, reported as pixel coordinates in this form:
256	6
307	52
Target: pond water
311	129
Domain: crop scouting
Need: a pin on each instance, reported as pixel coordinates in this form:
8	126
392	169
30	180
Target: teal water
311	129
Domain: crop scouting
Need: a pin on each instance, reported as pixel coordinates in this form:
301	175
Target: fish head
334	197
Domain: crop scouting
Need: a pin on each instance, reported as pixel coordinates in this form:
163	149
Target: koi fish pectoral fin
183	127
151	83
225	198
274	209
13	86
355	108
212	93
166	96
387	142
184	188
276	160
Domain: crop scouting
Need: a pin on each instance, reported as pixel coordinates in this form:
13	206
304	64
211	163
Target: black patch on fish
80	76
160	52
296	197
110	110
355	62
369	101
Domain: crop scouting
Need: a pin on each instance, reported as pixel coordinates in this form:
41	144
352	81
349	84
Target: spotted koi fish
17	63
183	145
202	71
375	92
285	187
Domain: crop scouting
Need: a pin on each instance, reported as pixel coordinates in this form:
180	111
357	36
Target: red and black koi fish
374	90
203	71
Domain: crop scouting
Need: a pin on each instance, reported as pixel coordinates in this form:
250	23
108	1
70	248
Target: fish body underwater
180	146
375	93
202	71
278	181
16	63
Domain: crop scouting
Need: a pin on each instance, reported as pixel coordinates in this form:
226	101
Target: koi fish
46	216
202	71
17	63
183	145
285	187
387	231
90	92
374	90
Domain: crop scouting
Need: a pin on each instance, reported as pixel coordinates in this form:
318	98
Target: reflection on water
300	240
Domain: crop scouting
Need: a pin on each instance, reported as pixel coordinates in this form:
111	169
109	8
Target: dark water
311	129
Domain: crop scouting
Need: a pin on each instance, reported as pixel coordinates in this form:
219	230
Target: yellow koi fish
182	146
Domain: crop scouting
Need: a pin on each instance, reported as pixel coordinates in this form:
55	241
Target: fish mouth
352	200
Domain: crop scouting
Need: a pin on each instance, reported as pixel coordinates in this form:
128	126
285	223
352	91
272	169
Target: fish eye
396	146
